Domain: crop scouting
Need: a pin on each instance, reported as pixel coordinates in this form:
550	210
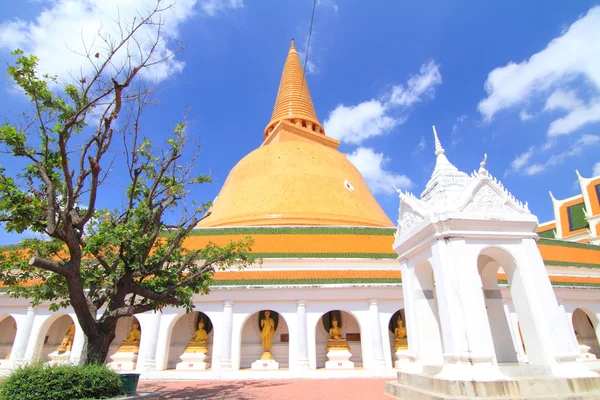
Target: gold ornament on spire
293	98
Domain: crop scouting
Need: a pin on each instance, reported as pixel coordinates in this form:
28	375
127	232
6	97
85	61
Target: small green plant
42	382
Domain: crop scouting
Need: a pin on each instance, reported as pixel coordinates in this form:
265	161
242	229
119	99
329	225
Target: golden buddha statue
132	340
267	325
400	342
336	340
197	344
579	339
67	342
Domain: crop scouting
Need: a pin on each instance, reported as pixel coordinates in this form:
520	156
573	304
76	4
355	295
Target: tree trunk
98	346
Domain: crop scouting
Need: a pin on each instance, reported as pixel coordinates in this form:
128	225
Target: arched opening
504	345
124	348
533	341
8	331
252	341
585	333
427	317
350	331
397	332
58	337
187	337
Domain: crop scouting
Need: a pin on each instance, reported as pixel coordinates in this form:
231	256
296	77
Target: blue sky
519	80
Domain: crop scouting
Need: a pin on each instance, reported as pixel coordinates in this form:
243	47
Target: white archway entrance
182	331
8	331
53	337
585	331
252	349
351	330
504	343
124	327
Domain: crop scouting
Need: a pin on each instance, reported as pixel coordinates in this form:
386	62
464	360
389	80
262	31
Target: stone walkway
319	389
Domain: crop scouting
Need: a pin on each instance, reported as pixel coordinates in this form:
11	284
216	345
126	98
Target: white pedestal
193	362
123	361
5	364
265	365
404	358
585	354
339	359
57	358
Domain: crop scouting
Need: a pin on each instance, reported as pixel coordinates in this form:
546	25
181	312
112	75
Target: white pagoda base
6	364
59	358
193	362
584	353
533	382
404	358
265	365
339	359
123	361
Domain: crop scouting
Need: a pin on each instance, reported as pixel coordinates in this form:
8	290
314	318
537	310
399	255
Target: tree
105	264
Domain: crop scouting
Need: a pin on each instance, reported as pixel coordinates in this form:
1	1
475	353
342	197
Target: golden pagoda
297	176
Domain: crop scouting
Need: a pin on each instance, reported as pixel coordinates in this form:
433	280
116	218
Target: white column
302	362
78	342
378	361
17	355
468	345
227	335
150	341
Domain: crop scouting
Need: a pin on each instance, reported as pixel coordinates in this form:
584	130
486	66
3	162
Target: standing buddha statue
267	325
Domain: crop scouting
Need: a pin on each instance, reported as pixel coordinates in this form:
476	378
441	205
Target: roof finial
482	170
438	146
292	44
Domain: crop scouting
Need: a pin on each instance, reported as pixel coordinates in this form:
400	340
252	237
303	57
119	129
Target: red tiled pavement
319	389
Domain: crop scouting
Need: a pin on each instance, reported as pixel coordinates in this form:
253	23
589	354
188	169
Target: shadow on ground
226	390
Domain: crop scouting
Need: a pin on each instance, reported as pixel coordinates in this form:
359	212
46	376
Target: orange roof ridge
293	101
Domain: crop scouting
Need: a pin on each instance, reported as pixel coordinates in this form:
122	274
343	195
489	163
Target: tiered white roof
450	191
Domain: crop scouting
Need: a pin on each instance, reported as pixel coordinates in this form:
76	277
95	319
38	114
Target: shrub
40	382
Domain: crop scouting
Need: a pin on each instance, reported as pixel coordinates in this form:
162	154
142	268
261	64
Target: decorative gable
487	199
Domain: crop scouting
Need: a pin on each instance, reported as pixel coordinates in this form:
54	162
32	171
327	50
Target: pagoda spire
441	162
293	98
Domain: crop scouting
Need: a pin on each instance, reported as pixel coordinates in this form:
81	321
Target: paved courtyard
305	389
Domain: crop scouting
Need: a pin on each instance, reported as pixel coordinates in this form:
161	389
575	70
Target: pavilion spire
293	101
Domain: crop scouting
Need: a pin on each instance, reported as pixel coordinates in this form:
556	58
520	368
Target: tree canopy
105	263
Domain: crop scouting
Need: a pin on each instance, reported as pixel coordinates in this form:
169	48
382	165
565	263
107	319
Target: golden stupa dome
297	176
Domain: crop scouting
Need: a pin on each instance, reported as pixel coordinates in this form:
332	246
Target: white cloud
66	29
596	170
418	86
212	7
371	166
375	117
574	54
525	116
420	146
576	149
576	118
563	99
459	120
357	123
522	160
328	3
312	67
535	169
